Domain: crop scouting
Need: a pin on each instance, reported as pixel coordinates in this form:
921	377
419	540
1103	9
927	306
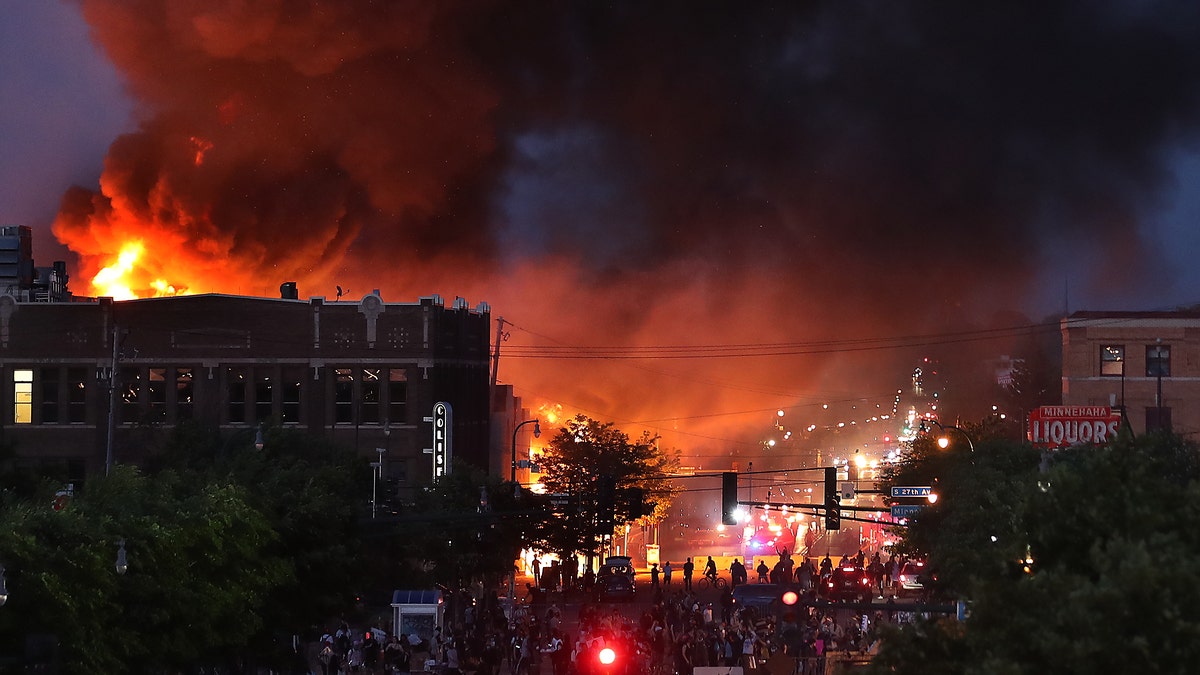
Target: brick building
365	374
1148	362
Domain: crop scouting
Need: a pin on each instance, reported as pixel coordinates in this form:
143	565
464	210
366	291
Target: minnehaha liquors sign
1054	426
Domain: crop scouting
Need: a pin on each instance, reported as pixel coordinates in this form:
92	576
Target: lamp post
944	442
259	442
122	561
537	433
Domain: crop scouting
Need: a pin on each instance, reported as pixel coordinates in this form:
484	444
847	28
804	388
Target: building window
397	392
23	396
130	392
185	393
77	395
264	393
1158	361
343	396
1112	360
369	401
156	394
235	395
291	394
50	391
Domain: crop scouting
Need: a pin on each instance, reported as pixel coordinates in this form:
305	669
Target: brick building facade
364	374
1148	362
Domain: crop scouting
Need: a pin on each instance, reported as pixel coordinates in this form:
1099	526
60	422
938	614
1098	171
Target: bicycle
706	581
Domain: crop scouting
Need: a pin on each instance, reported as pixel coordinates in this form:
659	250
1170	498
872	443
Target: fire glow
117	280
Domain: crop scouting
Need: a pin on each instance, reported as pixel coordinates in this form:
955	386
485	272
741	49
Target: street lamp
122	562
376	476
943	441
259	442
537	433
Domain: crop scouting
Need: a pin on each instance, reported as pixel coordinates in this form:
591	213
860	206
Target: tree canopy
577	458
1112	533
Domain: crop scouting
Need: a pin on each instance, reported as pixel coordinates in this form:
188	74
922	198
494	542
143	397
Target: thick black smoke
637	172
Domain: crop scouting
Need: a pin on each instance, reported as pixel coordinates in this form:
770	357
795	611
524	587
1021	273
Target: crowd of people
676	632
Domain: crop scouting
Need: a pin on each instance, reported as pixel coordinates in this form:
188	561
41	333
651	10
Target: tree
1114	583
578	460
199	573
466	527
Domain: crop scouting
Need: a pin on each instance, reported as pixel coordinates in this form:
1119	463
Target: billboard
1056	426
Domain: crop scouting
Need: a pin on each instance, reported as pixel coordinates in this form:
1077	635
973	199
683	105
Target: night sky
833	178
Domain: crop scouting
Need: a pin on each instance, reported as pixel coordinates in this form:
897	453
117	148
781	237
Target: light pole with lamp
512	575
259	442
943	441
376	476
122	561
537	433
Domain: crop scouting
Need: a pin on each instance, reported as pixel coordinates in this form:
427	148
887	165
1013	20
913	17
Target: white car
912	579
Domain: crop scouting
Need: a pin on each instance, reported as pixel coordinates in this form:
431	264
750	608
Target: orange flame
119	279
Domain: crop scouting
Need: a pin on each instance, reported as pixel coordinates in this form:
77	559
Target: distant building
1146	362
364	374
20	278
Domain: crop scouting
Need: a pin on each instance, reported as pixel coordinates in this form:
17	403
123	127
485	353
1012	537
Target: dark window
130	393
50	392
77	395
397	392
235	387
343	396
369	396
156	394
1112	360
291	394
185	393
1158	361
264	391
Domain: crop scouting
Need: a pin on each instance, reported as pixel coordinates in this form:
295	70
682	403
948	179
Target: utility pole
112	398
496	350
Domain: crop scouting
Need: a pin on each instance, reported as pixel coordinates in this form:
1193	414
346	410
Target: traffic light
636	504
833	505
729	499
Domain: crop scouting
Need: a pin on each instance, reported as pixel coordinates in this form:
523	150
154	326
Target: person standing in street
667	574
654	576
688	568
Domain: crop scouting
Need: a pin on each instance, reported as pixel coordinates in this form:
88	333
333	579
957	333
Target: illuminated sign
443	439
1056	426
911	490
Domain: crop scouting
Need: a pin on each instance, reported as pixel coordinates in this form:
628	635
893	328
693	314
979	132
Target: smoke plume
628	174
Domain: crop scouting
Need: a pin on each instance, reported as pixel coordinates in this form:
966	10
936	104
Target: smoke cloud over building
810	175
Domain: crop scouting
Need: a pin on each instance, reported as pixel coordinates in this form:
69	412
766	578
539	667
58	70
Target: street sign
847	492
909	491
902	511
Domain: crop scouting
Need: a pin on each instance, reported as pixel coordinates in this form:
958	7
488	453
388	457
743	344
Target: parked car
618	564
911	581
848	583
615	588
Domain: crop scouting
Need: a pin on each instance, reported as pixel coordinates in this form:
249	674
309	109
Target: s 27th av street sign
910	491
902	511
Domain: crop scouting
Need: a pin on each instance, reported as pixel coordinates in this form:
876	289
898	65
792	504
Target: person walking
654	575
